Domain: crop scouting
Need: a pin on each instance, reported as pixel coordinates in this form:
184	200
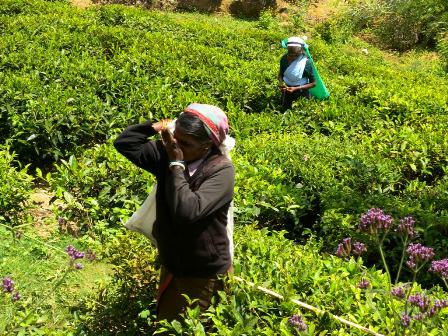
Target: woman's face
191	148
293	53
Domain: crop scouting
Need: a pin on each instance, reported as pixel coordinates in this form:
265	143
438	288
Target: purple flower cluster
8	287
74	254
405	320
440	267
359	248
406	227
418	316
364	284
346	247
424	305
420	301
398	292
297	322
438	304
16	296
418	254
90	255
375	220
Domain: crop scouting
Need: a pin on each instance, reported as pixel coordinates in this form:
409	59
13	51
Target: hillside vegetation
72	79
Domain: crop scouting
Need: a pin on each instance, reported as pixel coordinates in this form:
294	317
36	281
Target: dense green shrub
443	48
121	303
402	24
15	188
101	185
65	88
266	259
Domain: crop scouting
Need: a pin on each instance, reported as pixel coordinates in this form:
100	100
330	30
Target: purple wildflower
344	248
359	248
420	301
78	266
438	304
375	220
405	320
73	253
16	296
440	267
364	284
8	285
297	322
419	316
398	292
406	227
418	254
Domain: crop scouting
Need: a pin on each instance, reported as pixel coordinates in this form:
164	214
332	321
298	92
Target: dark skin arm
170	144
303	87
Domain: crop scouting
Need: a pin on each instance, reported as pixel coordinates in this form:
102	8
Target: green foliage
15	188
297	272
337	29
101	185
402	24
65	88
48	285
124	303
70	80
443	48
267	21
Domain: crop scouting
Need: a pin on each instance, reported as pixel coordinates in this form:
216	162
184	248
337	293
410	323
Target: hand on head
172	148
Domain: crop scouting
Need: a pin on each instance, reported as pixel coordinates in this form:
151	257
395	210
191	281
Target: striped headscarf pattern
214	119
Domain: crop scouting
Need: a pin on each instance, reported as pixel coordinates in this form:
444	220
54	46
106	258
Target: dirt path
321	10
81	3
43	218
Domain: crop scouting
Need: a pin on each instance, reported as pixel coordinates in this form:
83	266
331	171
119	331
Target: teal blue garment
320	91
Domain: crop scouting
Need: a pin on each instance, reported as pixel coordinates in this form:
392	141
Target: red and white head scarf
213	118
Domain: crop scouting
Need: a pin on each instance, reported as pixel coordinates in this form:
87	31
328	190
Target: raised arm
133	143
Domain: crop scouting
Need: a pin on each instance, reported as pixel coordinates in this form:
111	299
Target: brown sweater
190	226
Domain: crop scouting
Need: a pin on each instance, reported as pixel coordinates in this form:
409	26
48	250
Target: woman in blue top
296	75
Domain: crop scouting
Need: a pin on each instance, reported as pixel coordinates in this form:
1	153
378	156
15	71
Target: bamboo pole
307	306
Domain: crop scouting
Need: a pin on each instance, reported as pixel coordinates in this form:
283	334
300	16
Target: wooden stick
307	306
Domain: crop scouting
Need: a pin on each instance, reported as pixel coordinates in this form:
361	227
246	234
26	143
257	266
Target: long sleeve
134	145
189	206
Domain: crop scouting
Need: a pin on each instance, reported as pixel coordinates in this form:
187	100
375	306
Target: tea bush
100	185
119	304
267	259
15	188
66	88
377	141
